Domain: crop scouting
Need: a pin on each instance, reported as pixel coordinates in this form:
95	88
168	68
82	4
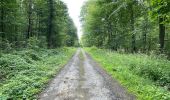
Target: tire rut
83	79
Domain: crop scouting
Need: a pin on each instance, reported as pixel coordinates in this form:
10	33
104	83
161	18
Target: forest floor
83	79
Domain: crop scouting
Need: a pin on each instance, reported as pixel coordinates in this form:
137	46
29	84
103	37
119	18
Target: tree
45	21
128	25
161	9
30	11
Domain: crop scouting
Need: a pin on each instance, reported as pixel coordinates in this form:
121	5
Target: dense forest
131	40
43	23
35	42
124	53
127	25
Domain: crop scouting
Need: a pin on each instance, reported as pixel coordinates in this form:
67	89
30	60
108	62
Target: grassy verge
23	74
148	77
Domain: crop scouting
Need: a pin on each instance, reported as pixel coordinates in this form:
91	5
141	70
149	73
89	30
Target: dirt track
83	79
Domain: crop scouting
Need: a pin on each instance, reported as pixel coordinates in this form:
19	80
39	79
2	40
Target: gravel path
83	79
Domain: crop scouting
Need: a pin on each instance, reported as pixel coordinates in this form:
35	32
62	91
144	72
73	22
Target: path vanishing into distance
83	79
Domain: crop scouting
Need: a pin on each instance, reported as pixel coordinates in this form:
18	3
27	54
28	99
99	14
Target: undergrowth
148	77
23	74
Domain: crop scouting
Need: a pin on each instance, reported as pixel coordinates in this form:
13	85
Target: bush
43	42
33	43
5	45
11	65
23	74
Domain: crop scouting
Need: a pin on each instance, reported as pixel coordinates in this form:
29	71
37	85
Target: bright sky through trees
74	7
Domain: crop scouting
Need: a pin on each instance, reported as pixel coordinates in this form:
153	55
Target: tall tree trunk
145	32
29	32
161	33
132	23
109	34
37	26
2	23
50	23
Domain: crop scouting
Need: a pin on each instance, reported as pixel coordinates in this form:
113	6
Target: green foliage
33	43
24	26
146	76
23	74
25	23
42	42
5	45
129	25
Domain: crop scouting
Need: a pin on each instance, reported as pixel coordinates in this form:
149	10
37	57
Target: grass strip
145	76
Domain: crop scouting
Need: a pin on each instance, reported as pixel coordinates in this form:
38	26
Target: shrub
25	73
33	43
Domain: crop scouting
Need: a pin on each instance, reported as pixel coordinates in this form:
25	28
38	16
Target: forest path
83	79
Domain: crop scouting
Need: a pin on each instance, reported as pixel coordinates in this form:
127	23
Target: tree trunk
37	26
2	23
161	33
145	33
109	34
29	32
50	23
132	23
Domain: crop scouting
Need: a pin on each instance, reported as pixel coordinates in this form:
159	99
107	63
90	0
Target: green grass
24	74
147	77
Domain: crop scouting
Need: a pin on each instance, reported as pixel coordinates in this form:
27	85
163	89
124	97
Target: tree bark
145	33
50	23
2	23
29	32
161	33
132	23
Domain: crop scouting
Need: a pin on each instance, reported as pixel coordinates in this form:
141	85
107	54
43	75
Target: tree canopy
47	21
129	25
